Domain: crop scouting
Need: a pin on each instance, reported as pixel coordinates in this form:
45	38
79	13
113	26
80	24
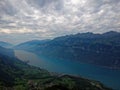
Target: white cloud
51	18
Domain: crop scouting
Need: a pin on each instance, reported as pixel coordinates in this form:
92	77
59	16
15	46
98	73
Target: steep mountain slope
5	44
100	49
8	70
7	52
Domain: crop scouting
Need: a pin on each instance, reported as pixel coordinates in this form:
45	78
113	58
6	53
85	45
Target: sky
23	20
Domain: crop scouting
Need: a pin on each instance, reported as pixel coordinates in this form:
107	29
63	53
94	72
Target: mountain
6	51
100	49
5	44
17	75
8	70
30	44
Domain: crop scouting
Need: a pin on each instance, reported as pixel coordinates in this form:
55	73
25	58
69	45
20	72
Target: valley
109	77
18	75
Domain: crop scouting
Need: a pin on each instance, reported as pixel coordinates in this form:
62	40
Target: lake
108	77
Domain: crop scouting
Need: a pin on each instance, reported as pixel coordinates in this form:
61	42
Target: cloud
51	18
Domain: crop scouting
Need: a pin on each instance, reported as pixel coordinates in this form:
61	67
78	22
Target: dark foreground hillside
17	75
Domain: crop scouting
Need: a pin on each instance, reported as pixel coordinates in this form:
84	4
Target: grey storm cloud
41	19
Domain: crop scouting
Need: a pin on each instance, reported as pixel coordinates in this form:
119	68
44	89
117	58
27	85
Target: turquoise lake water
108	77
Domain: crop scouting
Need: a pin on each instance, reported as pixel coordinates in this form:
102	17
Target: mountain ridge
100	49
5	44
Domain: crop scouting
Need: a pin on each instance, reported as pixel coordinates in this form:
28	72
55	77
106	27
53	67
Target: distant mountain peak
111	33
